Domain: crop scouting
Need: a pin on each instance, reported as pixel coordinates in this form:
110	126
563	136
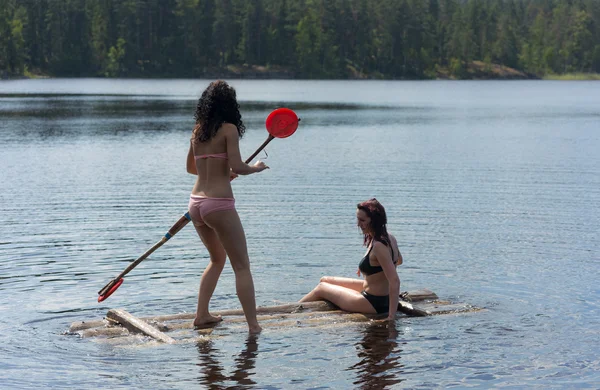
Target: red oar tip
110	291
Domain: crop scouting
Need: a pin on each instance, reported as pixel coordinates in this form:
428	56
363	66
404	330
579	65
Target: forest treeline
397	39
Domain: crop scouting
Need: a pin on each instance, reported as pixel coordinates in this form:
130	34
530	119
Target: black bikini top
366	268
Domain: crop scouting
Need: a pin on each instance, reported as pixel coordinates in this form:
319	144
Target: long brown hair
376	212
217	105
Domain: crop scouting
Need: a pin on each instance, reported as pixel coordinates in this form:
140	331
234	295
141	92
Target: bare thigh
211	241
228	228
345	298
353	284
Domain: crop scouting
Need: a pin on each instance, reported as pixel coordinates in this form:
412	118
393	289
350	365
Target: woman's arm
399	261
191	163
232	139
384	258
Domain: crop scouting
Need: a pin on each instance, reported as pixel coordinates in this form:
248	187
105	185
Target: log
81	325
117	331
113	331
420	295
449	308
415	296
283	321
287	308
263	319
409	309
134	324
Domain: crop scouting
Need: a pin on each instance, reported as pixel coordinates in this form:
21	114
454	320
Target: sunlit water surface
492	189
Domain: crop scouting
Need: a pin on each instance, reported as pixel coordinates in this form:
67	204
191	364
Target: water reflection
213	373
379	366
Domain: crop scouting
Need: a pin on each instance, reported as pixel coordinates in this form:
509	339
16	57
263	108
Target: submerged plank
135	324
264	319
287	308
443	307
419	295
81	325
408	309
112	331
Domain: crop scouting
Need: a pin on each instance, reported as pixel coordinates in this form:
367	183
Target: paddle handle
174	229
261	147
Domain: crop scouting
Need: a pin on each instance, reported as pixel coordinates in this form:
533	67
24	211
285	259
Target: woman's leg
352	284
344	298
229	228
211	274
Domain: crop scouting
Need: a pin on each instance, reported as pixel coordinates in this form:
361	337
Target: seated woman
379	291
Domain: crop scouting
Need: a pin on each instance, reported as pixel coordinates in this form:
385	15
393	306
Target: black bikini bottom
381	304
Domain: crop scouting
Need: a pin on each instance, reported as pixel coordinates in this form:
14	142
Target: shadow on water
68	119
379	366
214	375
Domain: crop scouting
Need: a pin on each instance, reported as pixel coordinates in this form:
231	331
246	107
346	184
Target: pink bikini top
215	155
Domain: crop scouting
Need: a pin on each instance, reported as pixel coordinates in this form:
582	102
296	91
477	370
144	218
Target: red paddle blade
112	290
282	122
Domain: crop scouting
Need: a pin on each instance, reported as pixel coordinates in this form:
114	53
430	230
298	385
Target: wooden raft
118	324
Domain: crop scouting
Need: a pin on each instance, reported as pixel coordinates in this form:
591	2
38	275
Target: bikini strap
214	155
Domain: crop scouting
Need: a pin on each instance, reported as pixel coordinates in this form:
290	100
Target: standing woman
214	156
380	290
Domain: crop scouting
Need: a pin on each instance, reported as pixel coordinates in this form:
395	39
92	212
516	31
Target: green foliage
114	64
305	38
457	68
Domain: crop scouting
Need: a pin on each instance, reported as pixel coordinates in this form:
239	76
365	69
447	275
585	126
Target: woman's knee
240	265
326	279
320	288
218	260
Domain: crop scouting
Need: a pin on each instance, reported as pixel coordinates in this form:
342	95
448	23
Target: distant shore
475	70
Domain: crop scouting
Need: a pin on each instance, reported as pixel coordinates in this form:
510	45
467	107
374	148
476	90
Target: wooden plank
289	320
81	325
134	324
410	310
287	308
436	308
331	315
415	296
112	331
419	295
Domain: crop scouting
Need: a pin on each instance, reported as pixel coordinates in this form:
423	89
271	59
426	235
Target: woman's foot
254	329
206	321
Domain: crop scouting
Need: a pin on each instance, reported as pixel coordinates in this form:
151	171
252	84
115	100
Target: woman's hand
260	166
387	321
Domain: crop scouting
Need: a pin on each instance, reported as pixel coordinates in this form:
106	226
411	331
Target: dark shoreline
476	70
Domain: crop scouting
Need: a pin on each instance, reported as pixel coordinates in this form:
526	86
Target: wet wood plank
134	324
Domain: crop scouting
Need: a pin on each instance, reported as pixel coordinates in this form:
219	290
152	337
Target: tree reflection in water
379	366
213	375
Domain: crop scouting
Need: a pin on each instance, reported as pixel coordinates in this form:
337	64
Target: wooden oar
281	123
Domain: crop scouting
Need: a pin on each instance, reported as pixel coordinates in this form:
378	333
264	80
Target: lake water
492	189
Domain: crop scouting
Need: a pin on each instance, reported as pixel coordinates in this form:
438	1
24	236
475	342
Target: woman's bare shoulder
227	127
378	245
394	241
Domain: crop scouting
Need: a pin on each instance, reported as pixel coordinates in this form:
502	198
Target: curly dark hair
217	105
376	212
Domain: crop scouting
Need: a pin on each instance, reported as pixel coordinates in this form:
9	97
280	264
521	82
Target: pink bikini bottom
201	206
